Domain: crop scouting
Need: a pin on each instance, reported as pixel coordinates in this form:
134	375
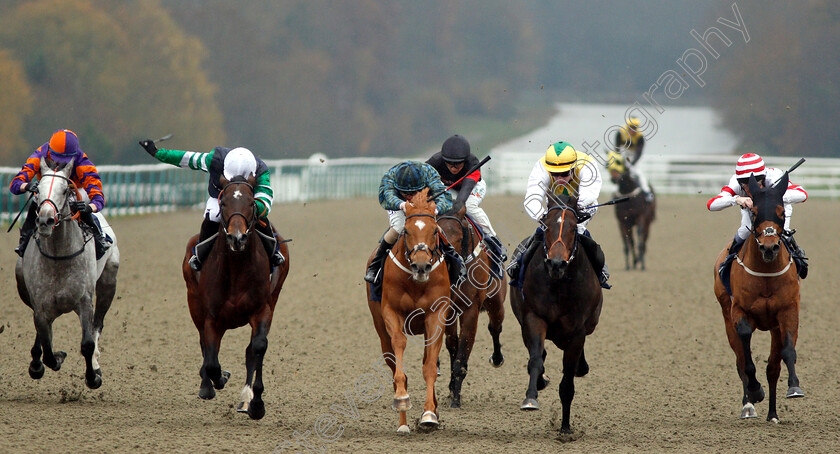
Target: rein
59	216
559	239
466	254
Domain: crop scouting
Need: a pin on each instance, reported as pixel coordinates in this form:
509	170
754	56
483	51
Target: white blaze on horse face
420	224
237	194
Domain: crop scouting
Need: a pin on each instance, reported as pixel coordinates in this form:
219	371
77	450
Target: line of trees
288	78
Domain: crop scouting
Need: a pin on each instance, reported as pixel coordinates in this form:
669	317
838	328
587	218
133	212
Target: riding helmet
64	146
408	177
239	162
749	164
560	157
455	149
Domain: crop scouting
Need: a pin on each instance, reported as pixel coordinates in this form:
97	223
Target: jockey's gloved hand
32	187
80	206
149	146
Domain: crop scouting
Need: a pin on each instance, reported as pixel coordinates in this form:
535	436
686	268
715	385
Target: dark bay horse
636	212
234	287
415	300
765	296
480	291
560	300
59	273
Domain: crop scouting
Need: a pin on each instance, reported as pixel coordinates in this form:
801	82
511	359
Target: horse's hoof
429	420
438	371
498	364
401	404
542	382
755	396
748	411
95	383
206	393
59	359
242	407
37	372
223	379
256	410
794	391
403	429
454	403
529	405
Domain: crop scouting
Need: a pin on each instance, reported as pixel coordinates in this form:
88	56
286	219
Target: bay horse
415	300
235	287
59	273
480	291
637	212
765	296
560	300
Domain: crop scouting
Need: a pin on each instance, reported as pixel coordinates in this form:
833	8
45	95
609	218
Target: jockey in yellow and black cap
630	142
563	170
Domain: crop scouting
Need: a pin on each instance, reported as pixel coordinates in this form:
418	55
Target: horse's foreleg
433	341
571	362
533	334
106	287
644	232
789	329
394	326
43	326
469	326
211	372
452	343
753	393
774	368
626	235
250	364
36	367
92	379
496	312
259	345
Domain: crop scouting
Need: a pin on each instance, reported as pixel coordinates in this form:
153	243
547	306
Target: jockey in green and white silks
230	162
398	185
563	170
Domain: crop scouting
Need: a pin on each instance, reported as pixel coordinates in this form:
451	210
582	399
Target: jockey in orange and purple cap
62	150
737	193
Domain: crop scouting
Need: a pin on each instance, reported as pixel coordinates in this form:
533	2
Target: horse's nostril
775	248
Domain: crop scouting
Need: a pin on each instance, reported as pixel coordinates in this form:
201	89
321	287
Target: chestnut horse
234	287
636	212
415	300
560	300
480	291
765	296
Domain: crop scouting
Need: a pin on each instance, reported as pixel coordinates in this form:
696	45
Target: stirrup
603	277
195	264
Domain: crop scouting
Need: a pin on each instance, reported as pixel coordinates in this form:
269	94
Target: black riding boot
454	263
498	255
377	262
596	256
797	253
534	241
27	229
734	248
272	246
101	242
202	249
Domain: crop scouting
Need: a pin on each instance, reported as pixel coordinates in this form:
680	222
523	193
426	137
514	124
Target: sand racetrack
662	374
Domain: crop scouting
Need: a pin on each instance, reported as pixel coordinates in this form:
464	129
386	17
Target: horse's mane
565	200
421	202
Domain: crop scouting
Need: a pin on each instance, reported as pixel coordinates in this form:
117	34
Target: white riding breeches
212	210
475	211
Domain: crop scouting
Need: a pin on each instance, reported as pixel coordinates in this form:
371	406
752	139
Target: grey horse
59	273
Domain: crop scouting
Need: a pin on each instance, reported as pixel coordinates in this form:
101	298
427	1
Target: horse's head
238	210
616	165
560	224
768	216
420	235
55	191
452	227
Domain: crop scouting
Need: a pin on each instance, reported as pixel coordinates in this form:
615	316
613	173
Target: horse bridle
59	212
421	246
249	222
559	239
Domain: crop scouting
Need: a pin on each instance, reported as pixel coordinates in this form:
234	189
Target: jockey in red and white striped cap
737	193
